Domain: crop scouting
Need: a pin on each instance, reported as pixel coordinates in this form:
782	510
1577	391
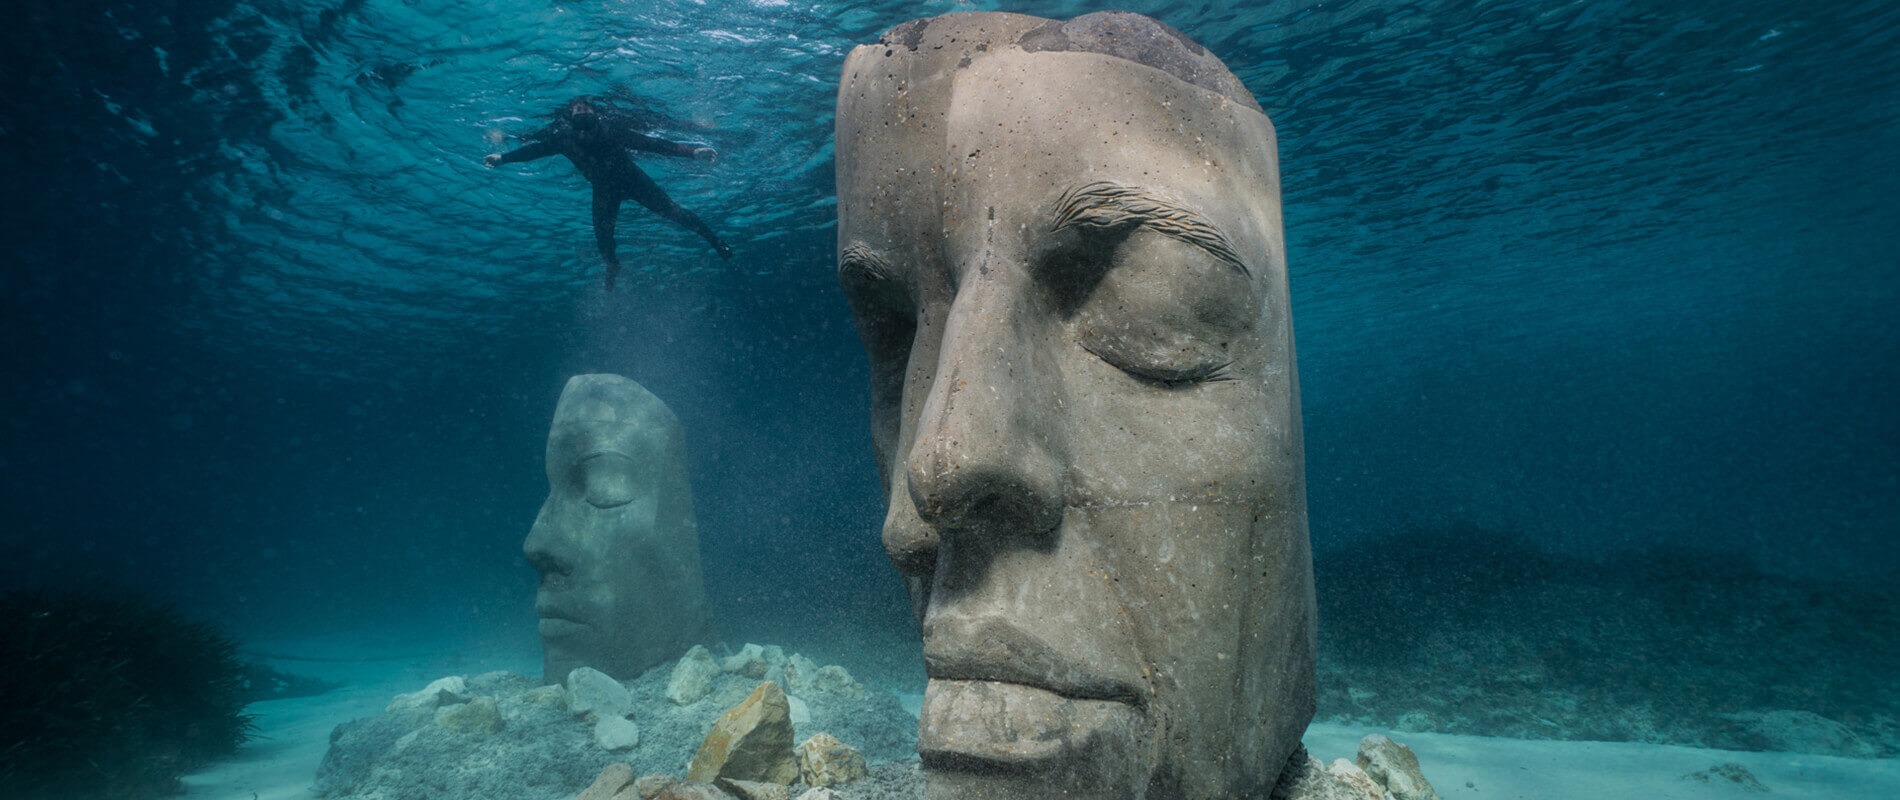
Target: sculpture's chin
1006	740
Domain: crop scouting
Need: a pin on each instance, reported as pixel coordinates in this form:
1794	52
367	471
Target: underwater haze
1591	299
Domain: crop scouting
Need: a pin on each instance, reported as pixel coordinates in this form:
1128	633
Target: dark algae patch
1480	632
112	698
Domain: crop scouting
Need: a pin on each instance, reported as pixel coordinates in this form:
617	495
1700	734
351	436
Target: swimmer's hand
706	154
491	160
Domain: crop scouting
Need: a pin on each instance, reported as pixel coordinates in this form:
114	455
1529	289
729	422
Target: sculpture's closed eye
1163	311
607	479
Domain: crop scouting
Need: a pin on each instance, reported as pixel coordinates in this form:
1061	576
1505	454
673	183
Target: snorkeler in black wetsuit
598	142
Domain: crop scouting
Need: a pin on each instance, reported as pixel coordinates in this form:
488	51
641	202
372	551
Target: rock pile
501	735
1383	770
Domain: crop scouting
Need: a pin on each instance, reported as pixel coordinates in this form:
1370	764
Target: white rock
837	680
1311	780
749	661
820	794
692	677
799	672
591	691
774	655
443	692
616	733
801	713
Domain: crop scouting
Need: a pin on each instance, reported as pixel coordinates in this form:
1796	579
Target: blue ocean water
1571	281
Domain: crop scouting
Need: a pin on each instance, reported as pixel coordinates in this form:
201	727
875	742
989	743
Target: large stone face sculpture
1063	247
616	543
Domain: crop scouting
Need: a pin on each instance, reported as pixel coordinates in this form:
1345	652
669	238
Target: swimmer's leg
606	210
644	191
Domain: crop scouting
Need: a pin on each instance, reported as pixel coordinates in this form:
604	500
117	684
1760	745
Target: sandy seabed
295	733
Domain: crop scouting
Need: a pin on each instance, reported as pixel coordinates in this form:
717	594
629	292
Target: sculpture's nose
547	550
983	467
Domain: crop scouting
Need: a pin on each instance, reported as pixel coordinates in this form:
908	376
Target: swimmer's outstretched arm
528	152
654	144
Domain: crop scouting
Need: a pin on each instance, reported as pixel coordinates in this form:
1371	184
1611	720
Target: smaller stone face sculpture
616	543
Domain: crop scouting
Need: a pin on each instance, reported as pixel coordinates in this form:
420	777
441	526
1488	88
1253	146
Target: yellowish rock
652	784
691	791
1355	779
1395	767
752	741
480	715
614	783
753	790
553	696
825	761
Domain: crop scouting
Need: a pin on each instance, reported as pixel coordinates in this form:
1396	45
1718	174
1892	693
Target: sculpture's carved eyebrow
857	261
1108	205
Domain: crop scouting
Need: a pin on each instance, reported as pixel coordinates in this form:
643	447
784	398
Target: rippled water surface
1523	164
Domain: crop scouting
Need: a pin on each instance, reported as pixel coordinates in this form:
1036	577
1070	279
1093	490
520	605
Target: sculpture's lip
548	611
601	451
1006	727
1086	688
991	650
557	628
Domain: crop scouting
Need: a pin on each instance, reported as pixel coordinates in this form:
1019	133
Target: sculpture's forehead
1120	34
1004	139
609	397
598	410
603	412
901	98
1100	117
578	436
957	121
